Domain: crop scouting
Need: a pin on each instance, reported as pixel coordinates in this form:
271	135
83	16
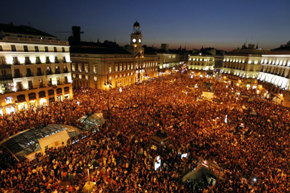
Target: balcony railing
17	76
6	77
29	74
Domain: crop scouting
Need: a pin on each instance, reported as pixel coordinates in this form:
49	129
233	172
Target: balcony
29	74
6	77
57	71
17	76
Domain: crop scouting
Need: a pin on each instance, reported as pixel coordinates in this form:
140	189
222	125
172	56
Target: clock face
134	40
140	40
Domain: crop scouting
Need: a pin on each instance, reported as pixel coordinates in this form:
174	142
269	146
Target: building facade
35	68
97	66
201	62
96	70
244	66
167	61
275	76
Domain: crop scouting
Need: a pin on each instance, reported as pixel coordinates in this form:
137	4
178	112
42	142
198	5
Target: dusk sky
224	24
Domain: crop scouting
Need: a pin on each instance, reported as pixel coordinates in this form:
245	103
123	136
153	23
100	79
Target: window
48	70
56	59
1	49
65	80
54	49
46	49
27	60
65	70
19	86
28	72
39	72
30	84
64	60
49	82
47	60
13	48
63	50
95	69
25	48
110	69
17	73
38	60
58	80
86	68
57	71
36	49
15	61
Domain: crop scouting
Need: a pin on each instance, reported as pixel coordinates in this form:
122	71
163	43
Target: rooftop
22	29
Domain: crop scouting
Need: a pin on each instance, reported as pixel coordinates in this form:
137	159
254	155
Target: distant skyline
223	24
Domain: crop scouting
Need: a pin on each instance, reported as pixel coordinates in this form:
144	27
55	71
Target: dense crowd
251	149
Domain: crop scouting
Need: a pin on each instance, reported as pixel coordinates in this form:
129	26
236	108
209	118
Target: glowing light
184	155
8	100
42	101
78	103
10	110
120	89
157	163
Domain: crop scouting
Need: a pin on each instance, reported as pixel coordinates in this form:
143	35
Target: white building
35	68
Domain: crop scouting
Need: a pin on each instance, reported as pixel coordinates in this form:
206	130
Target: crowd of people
251	150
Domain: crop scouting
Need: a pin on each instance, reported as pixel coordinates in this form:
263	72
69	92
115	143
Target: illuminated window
95	69
8	100
110	69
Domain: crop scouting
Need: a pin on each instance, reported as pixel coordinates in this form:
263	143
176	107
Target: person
114	154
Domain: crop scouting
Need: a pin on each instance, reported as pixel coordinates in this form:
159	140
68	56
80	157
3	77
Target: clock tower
136	41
